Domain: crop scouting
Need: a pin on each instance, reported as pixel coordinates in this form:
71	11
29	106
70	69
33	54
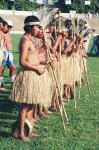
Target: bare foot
45	111
24	138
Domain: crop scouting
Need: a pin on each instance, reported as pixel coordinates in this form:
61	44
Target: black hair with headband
29	22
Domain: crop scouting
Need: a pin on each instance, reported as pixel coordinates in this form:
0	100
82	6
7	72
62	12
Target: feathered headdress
45	15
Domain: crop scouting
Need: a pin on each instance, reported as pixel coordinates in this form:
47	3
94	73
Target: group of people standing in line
50	62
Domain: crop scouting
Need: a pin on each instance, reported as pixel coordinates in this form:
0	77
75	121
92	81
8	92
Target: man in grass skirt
28	85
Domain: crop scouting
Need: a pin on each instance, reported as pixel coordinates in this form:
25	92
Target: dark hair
5	23
9	26
31	19
28	28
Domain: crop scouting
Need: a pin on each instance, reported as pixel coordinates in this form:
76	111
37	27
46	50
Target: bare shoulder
25	41
23	44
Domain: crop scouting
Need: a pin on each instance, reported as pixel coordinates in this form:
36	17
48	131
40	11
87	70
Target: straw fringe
70	71
73	69
31	88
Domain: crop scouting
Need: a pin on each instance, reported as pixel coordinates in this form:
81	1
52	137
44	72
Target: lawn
82	130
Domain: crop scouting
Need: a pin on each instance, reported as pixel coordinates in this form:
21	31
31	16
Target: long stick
58	101
54	77
79	84
73	64
60	47
60	92
86	77
58	88
68	83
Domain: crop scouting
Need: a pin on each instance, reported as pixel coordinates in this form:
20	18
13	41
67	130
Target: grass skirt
60	75
74	73
83	64
68	71
52	75
31	88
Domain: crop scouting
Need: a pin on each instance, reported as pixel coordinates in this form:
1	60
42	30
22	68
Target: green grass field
82	130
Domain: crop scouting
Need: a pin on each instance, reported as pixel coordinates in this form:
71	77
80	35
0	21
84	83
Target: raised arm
54	47
69	47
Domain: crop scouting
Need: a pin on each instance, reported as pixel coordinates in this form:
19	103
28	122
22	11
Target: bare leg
31	114
34	112
12	72
56	102
72	91
53	103
45	110
40	110
22	115
66	91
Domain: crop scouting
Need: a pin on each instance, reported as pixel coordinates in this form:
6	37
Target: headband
32	23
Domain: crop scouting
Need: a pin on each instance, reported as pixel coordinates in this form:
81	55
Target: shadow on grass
8	112
8	116
5	134
6	105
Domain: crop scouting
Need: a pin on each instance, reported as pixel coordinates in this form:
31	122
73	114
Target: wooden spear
57	85
73	64
89	90
58	89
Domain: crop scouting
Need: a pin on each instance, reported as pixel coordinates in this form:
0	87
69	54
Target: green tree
95	6
78	5
25	5
3	4
18	4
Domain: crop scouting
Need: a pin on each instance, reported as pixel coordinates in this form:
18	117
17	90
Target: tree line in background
22	5
78	5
